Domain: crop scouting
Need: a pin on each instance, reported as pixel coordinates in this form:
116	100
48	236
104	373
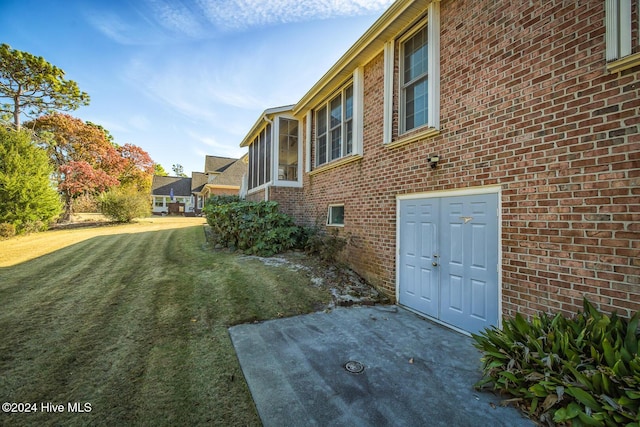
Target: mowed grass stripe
77	314
136	324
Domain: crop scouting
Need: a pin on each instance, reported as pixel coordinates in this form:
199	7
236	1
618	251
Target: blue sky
183	79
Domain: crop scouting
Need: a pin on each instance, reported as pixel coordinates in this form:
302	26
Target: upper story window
414	78
334	127
260	158
288	152
412	81
622	34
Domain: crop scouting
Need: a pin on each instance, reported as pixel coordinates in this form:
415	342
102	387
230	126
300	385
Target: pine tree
27	197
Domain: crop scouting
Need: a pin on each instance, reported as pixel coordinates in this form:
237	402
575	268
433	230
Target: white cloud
234	15
112	26
177	18
155	22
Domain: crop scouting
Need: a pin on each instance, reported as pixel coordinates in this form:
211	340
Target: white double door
448	259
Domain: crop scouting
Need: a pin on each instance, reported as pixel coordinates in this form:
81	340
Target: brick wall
290	201
527	104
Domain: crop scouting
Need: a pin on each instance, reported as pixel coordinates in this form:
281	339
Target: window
334	128
411	107
414	89
260	158
622	39
288	150
159	202
336	215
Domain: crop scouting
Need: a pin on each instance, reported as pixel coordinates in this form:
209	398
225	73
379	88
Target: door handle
435	264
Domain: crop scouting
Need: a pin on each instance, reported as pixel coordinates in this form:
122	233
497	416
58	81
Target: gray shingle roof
232	174
217	164
162	185
198	180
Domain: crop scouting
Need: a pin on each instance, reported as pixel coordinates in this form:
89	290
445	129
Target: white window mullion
358	110
307	143
387	129
434	65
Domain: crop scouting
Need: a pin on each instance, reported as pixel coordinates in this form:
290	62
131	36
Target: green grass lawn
135	323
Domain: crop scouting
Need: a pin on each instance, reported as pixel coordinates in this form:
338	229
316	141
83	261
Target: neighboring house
224	175
483	156
171	189
198	181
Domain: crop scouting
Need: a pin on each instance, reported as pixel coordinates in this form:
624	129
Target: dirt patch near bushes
346	286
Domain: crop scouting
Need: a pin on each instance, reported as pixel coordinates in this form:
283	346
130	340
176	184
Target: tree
85	161
158	170
137	167
34	86
27	198
178	170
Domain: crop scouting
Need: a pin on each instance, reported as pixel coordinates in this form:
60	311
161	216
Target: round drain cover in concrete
354	367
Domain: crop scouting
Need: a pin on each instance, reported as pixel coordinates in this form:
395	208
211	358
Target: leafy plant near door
579	371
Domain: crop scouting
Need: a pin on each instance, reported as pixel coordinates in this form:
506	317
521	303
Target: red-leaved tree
137	167
86	159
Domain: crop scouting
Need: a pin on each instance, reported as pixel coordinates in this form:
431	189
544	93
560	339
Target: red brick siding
526	103
290	201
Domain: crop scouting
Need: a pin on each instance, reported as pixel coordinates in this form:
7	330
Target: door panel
418	236
460	236
475	220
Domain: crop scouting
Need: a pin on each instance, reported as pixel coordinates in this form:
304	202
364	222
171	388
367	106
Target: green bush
125	204
326	246
252	227
579	371
7	230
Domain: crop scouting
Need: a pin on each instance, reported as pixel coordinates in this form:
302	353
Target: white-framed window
159	201
334	127
289	150
622	34
335	216
416	80
618	28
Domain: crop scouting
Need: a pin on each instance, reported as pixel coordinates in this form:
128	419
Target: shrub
86	203
580	371
7	230
252	227
33	227
124	204
326	246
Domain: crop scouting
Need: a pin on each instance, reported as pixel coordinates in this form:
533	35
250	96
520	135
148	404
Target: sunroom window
334	127
288	150
260	158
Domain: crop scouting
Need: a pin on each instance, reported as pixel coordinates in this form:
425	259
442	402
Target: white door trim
494	189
